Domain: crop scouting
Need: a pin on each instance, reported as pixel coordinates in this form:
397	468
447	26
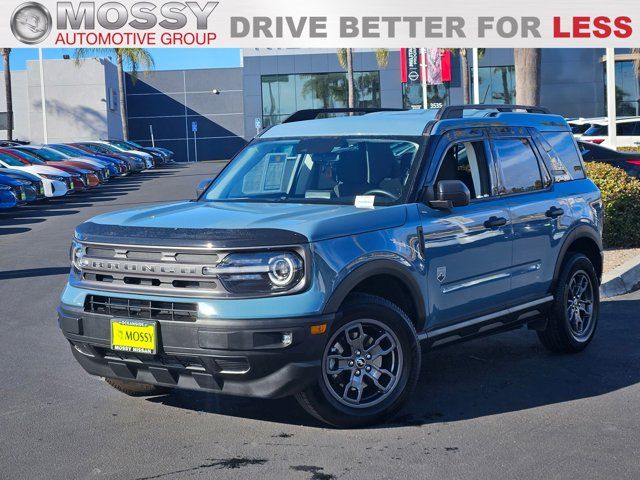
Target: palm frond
382	57
81	54
342	57
636	60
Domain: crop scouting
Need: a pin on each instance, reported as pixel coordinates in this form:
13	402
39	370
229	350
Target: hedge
621	197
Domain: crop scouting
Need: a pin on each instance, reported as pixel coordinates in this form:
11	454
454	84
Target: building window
497	84
437	95
627	89
283	95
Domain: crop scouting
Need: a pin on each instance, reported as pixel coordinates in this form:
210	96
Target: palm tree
345	57
6	53
527	66
135	59
464	60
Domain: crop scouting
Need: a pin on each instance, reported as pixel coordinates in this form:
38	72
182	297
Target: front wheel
369	367
574	316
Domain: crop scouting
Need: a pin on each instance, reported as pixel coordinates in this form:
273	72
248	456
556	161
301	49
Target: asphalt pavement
495	408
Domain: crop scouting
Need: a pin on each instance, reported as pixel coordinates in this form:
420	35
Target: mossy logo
31	23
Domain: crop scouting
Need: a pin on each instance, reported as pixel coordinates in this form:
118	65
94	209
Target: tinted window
622	129
519	165
467	162
628	129
564	155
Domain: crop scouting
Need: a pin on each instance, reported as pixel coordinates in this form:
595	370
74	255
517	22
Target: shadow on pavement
490	376
33	272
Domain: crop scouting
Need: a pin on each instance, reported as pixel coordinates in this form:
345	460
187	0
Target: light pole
194	127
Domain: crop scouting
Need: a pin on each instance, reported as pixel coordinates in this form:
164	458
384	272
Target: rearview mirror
449	194
202	186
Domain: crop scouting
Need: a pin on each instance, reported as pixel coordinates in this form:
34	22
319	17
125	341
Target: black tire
136	389
321	403
559	336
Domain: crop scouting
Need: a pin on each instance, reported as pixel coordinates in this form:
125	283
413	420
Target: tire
136	389
561	334
396	372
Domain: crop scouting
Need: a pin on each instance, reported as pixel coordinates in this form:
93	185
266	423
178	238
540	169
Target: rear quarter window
566	162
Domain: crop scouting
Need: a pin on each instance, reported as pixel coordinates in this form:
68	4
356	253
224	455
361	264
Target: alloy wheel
362	363
580	305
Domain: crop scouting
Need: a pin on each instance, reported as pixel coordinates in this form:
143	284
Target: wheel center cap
360	362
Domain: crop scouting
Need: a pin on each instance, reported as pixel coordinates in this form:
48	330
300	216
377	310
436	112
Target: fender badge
441	274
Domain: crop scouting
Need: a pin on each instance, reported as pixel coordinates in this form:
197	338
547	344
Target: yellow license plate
133	336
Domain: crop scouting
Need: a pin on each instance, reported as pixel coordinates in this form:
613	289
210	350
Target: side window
628	129
467	162
565	157
519	165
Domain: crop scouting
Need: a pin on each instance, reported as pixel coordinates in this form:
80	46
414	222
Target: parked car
57	183
580	125
125	150
17	188
98	170
33	182
328	252
159	157
78	175
628	132
136	162
7	197
628	161
121	166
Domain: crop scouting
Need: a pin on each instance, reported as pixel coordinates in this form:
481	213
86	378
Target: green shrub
621	197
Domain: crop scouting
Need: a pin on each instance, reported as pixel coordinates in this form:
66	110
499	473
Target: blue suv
330	252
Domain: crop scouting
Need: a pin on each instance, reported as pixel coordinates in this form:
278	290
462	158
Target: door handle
494	222
554	212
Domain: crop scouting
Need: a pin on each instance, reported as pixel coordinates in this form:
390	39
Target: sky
165	58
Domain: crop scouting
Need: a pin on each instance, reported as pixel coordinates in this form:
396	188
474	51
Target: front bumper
236	357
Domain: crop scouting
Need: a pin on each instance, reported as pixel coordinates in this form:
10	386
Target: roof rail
457	111
313	113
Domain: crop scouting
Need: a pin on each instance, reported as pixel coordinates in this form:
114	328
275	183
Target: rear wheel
574	316
136	389
369	367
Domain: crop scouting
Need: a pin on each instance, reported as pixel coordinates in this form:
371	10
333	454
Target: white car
581	125
56	183
628	132
148	159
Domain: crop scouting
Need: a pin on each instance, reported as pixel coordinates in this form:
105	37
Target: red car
82	178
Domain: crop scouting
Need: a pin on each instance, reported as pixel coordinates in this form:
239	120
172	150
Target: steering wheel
384	193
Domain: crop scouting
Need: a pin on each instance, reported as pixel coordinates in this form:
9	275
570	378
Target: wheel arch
387	279
583	239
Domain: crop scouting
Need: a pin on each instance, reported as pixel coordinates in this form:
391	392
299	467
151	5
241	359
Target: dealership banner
326	24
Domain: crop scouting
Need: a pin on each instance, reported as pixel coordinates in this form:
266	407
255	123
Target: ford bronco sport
329	251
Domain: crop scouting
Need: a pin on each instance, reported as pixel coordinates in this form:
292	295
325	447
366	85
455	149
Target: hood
21	174
310	222
43	169
12	182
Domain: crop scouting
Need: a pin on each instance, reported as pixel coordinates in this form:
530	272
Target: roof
411	123
605	120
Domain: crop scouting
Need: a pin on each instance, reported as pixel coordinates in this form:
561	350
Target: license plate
133	336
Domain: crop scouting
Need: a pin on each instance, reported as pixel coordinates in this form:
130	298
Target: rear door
468	249
536	209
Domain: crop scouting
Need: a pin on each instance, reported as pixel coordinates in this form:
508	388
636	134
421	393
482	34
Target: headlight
57	178
76	256
268	272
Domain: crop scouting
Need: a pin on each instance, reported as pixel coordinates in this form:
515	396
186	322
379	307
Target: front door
468	249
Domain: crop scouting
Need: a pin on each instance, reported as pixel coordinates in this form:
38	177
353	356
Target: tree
527	66
135	59
6	53
345	57
464	60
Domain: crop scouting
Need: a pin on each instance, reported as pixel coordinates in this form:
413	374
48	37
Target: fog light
287	338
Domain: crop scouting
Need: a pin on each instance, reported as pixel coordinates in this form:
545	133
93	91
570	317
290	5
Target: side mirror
202	186
449	194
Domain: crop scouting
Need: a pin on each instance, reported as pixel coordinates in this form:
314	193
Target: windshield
134	144
318	170
11	161
28	157
122	145
597	131
48	154
67	150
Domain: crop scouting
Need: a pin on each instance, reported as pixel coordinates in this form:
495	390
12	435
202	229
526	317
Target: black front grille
145	309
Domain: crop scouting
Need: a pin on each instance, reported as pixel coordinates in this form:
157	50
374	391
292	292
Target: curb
624	279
